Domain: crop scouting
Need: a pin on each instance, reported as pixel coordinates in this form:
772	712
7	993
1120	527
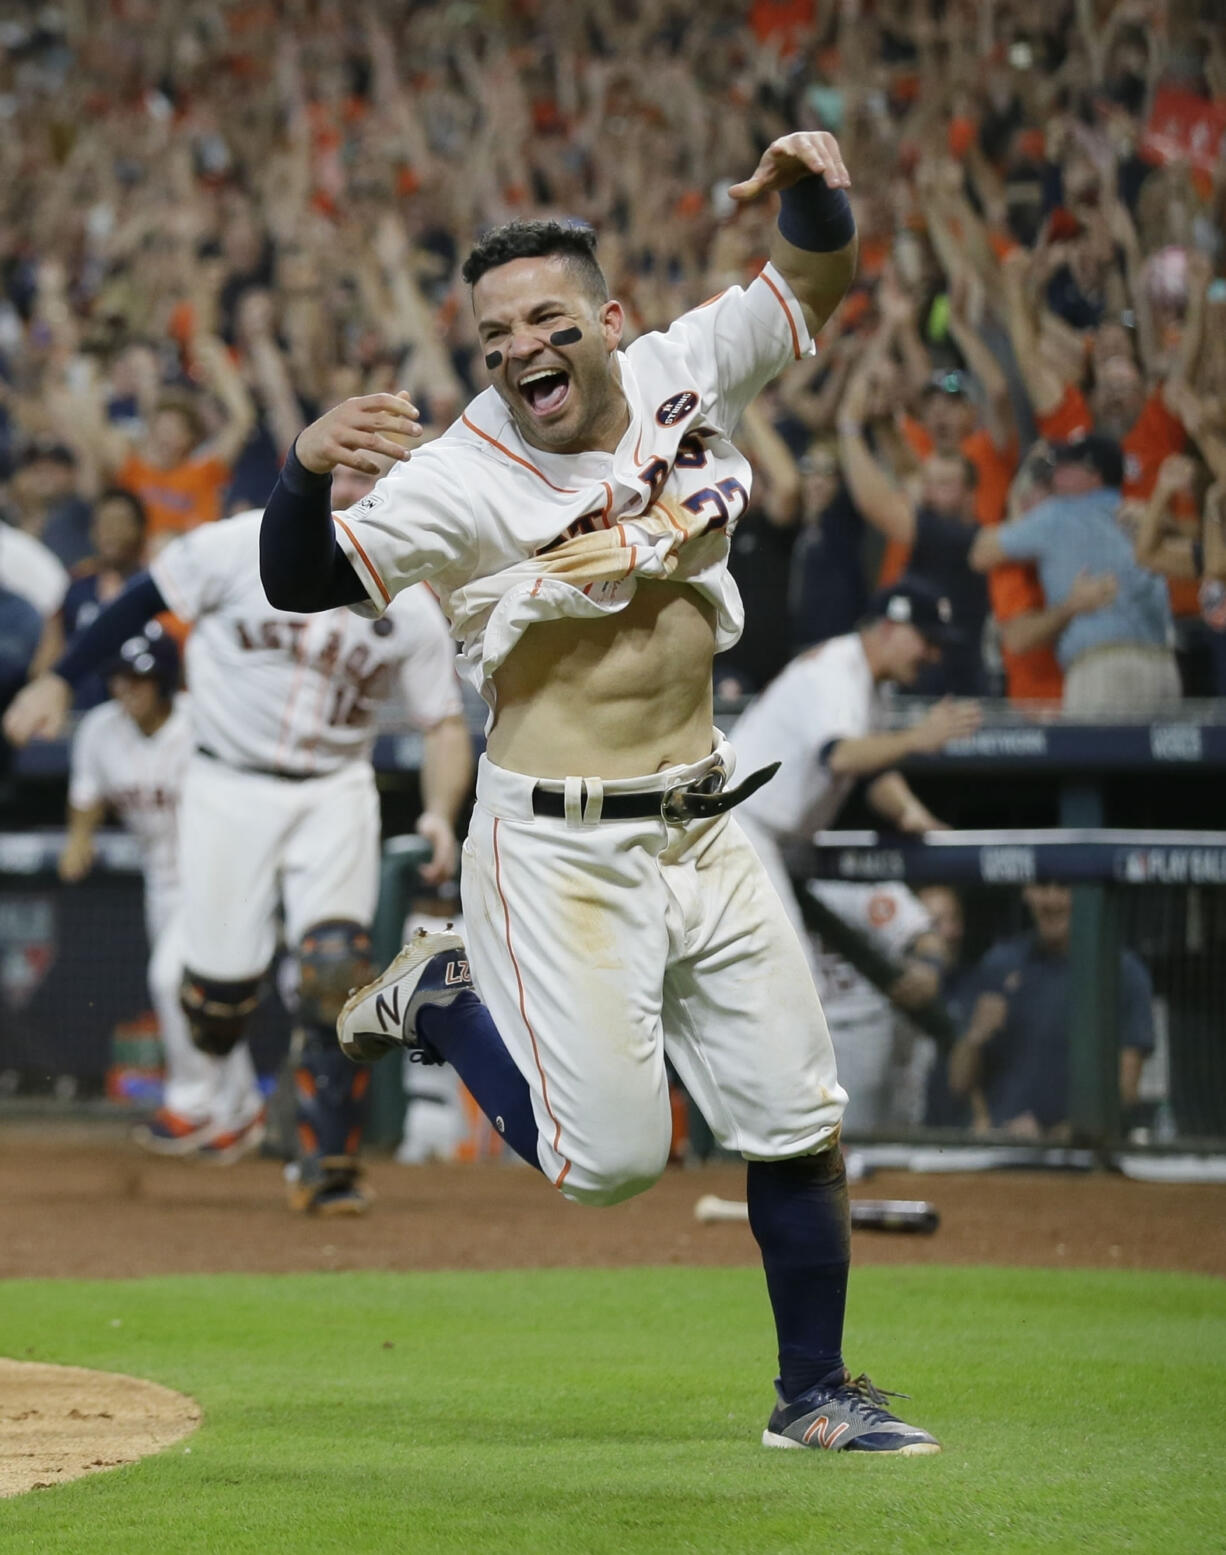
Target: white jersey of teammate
479	511
141	777
277	692
32	569
824	695
891	917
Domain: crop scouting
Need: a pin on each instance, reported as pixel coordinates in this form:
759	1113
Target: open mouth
545	390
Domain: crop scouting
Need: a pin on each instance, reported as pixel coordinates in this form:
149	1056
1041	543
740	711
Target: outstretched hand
38	711
352	431
793	157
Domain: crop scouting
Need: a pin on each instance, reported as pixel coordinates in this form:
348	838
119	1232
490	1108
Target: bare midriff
618	697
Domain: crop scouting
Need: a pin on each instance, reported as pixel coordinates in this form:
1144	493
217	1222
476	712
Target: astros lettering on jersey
295	694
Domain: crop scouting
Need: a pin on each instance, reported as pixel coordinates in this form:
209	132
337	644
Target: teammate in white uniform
279	812
575	522
131	755
821	718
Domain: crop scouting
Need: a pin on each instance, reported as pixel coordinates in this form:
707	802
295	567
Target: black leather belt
272	772
704	796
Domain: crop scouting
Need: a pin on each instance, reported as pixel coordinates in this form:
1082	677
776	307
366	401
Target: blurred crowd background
218	219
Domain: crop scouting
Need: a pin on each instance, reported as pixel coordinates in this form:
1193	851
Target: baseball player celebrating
575	523
131	755
821	718
279	809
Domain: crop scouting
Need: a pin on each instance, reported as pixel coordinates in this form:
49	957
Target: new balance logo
457	972
821	1430
388	1010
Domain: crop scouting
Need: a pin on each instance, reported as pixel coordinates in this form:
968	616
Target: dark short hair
135	505
1101	454
539	240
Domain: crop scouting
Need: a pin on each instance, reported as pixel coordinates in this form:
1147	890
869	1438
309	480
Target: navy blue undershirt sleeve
301	565
124	617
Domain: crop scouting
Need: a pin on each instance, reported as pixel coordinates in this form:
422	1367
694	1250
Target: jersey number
726	501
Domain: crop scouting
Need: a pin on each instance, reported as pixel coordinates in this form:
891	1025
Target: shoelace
869	1397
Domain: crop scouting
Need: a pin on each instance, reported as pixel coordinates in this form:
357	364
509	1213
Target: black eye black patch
493	359
566	337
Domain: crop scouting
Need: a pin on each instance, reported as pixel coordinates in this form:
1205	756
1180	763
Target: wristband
298	479
815	218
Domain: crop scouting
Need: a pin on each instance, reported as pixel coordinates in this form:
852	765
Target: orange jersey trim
796	352
502	448
523	1009
366	561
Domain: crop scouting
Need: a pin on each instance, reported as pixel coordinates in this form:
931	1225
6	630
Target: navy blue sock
800	1217
464	1034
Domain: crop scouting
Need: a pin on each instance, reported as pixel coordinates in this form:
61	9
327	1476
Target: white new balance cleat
432	969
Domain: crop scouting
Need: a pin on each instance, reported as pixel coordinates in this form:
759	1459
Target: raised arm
225	381
773	462
1042	384
883	503
1156	547
814	246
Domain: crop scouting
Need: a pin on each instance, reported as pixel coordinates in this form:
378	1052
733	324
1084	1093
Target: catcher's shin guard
332	1098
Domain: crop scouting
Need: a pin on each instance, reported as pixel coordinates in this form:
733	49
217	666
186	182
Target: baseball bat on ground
912	1215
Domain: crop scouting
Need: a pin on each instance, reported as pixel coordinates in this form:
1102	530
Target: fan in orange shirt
178	477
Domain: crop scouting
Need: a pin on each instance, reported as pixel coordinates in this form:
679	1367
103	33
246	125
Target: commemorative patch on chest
676	407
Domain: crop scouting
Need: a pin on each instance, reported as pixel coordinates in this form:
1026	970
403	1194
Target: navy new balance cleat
848	1417
432	969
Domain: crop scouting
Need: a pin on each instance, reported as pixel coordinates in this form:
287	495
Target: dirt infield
60	1422
81	1202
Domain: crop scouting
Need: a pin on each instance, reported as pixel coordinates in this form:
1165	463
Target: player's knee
615	1177
217	1010
334	958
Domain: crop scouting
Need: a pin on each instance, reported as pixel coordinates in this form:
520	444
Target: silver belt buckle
674	809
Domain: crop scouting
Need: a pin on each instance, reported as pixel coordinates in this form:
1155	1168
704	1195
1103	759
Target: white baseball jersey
295	693
140	775
889	915
825	694
479	510
32	569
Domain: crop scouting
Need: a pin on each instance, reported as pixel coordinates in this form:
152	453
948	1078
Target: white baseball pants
600	946
197	1086
250	843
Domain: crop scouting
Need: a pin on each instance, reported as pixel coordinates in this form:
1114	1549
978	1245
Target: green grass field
604	1412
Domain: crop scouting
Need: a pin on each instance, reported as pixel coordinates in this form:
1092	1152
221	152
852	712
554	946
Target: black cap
150	656
950	381
912	602
1102	454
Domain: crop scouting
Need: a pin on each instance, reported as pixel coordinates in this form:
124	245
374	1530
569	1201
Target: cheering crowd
219	220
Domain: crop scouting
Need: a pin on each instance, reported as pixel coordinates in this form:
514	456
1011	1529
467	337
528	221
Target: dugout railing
72	957
1160	895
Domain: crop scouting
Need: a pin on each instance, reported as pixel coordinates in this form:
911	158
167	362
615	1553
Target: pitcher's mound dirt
60	1422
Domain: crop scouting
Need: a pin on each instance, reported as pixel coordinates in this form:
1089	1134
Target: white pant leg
197	1085
743	1022
232	832
767	849
567	936
330	864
